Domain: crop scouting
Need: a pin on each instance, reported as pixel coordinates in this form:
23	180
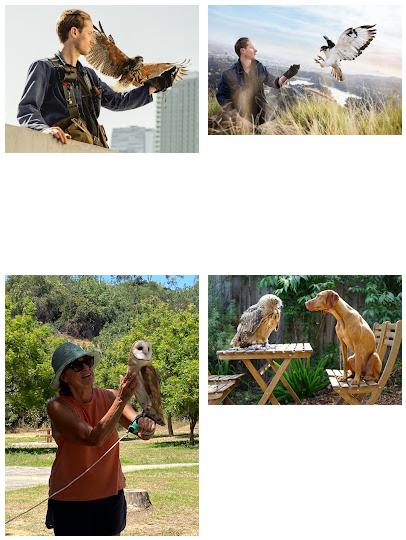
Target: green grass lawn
173	492
133	451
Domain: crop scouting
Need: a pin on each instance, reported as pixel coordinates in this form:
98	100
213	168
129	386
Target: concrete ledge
24	140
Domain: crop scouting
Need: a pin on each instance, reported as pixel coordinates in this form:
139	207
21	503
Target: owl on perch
148	391
106	57
258	322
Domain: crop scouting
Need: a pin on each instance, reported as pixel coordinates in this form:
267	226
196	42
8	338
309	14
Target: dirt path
24	477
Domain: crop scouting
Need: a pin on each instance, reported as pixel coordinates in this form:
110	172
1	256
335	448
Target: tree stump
138	499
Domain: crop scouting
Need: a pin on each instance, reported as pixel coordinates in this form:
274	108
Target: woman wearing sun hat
84	419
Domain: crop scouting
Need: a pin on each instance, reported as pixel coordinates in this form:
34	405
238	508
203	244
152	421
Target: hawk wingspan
148	71
110	60
353	41
106	56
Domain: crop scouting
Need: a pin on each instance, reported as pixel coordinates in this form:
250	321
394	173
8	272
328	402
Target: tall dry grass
312	115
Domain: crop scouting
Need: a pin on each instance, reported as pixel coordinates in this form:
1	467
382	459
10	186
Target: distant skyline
158	33
294	34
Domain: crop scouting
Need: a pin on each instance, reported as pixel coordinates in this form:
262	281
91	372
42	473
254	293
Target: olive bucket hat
64	355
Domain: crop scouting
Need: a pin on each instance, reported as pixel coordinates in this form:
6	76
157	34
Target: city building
177	117
133	139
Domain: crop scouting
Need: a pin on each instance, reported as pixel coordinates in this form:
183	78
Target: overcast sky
294	34
158	33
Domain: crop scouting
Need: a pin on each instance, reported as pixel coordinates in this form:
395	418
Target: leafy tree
174	338
29	347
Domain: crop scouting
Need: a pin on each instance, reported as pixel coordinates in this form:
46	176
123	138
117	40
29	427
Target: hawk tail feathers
337	73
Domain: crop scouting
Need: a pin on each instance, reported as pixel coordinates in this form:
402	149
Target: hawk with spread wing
350	45
258	322
148	390
106	57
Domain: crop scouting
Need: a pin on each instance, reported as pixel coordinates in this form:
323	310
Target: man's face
249	51
84	40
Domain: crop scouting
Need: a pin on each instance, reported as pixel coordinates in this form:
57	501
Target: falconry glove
292	71
164	81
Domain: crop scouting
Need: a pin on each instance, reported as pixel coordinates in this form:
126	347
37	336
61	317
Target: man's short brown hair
241	43
70	18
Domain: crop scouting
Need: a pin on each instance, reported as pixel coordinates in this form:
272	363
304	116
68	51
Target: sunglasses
78	364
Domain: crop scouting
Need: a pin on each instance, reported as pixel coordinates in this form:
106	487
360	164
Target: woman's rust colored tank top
103	480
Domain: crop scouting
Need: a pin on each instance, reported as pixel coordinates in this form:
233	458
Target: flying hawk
110	60
148	391
350	44
258	322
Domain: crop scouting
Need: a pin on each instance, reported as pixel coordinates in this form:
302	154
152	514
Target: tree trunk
192	424
137	499
170	426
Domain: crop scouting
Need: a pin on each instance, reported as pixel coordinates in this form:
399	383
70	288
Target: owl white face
142	350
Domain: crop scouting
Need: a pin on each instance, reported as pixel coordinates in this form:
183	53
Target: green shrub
305	380
331	356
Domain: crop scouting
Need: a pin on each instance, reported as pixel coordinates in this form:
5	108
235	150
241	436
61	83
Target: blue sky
294	34
181	281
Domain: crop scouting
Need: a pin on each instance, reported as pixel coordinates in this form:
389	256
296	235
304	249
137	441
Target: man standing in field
241	88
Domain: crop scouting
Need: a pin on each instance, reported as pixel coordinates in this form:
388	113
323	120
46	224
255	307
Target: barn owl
110	60
148	392
350	44
258	322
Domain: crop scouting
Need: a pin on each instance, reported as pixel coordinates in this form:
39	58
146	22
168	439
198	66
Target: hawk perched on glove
258	322
148	390
106	57
350	45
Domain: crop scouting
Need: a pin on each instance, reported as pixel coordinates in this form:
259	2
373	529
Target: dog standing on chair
353	333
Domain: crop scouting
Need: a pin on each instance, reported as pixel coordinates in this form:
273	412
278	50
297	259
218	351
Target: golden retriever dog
353	333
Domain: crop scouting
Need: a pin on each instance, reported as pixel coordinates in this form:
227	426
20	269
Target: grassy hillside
314	115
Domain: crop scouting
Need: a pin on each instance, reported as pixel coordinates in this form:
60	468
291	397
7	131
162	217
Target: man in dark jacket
63	98
241	88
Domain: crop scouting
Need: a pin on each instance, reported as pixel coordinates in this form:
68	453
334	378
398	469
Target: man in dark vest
63	98
241	88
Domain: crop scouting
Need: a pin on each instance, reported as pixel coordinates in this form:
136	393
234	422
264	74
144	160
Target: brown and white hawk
106	57
349	46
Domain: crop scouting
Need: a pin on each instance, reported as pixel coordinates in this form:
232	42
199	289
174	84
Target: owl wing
249	322
353	41
153	388
148	71
105	56
275	318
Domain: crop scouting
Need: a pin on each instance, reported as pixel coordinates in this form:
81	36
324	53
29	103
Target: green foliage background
44	311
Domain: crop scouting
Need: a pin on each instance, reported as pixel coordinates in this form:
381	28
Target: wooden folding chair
388	337
220	386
